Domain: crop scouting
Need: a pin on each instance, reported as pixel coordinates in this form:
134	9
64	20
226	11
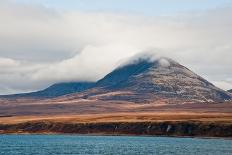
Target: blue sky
147	7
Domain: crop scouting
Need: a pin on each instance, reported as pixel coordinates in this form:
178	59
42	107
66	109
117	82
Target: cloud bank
40	46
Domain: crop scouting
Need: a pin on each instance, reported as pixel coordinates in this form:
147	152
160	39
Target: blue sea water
110	145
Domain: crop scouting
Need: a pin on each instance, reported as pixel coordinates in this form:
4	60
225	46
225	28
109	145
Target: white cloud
223	84
40	46
6	62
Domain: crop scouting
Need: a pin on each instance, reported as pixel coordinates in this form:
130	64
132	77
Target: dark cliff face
161	78
165	128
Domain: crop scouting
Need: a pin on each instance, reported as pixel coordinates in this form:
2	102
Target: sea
111	145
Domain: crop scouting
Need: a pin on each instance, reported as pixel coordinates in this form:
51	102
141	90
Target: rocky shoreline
161	128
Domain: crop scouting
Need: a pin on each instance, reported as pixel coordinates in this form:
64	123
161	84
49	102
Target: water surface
107	145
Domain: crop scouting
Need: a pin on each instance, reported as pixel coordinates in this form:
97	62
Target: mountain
230	90
55	90
144	80
148	80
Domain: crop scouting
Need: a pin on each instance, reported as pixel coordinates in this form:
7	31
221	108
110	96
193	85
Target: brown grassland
117	118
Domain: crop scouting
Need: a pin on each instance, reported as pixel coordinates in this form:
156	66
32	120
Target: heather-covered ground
89	117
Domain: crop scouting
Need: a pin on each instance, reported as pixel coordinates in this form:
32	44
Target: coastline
188	129
114	135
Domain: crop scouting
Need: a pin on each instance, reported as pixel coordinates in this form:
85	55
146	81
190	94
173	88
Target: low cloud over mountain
40	46
144	79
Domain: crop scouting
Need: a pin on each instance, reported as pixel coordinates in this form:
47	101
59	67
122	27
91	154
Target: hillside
141	80
144	97
55	90
161	79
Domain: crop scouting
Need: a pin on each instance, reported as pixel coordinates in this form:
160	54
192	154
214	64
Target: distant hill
143	80
146	80
55	90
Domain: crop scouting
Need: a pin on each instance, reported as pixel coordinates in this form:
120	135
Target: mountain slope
230	90
150	80
144	80
55	90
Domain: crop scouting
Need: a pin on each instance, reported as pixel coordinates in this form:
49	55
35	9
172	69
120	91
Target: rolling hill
55	90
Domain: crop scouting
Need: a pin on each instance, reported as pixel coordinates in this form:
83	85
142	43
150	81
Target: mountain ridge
55	90
143	80
148	80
